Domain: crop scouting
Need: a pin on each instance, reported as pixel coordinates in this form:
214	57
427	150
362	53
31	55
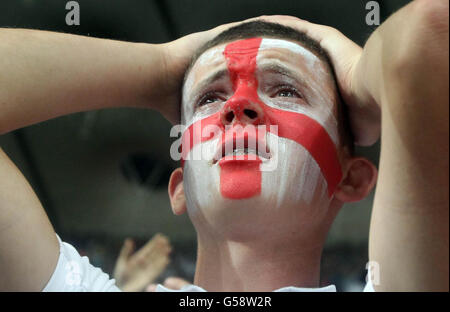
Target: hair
267	29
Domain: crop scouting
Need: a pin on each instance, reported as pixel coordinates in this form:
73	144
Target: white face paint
210	59
268	44
296	188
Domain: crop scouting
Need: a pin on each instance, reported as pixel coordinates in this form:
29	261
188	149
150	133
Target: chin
291	192
271	214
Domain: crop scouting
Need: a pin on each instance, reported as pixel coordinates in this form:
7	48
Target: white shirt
74	273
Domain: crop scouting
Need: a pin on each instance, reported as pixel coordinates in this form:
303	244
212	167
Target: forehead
291	54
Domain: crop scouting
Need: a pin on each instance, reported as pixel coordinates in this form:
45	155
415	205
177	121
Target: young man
257	229
262	218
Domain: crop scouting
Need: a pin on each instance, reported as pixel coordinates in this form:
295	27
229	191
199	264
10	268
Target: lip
251	147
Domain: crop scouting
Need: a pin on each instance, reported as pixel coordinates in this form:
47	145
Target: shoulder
75	273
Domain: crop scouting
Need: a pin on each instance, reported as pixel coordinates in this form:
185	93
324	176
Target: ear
176	192
359	178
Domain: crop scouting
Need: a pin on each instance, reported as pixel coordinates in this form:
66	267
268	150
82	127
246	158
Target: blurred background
102	176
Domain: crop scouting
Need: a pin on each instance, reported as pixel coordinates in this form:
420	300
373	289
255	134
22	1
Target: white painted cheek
272	141
323	116
310	179
201	179
297	180
206	112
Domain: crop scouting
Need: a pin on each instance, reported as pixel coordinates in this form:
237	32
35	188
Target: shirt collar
193	288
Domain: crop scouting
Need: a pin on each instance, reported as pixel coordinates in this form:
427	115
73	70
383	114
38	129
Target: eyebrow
278	68
271	67
219	74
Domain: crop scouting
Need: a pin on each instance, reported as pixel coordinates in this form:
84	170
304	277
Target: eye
288	92
209	98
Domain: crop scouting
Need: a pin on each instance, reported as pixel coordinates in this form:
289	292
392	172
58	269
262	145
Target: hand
133	272
345	55
175	283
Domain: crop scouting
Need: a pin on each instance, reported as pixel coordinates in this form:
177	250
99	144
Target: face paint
241	179
268	43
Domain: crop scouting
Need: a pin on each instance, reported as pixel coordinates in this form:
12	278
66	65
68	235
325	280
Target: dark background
102	176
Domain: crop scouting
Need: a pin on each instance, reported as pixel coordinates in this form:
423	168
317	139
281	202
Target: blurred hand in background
135	271
171	282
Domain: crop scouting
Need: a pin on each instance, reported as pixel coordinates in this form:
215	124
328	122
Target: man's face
262	125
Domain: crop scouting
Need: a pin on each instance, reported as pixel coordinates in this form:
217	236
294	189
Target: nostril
250	113
229	116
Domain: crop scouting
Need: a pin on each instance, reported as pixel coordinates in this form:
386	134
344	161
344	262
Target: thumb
127	249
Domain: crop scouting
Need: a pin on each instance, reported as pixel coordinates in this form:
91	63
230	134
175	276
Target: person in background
134	271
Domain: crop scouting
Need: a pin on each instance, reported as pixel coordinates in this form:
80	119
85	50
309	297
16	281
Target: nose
239	109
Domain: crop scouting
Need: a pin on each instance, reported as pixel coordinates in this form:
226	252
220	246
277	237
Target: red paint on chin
240	179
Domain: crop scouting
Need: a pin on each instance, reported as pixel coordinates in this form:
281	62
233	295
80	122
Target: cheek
297	178
320	110
311	130
200	177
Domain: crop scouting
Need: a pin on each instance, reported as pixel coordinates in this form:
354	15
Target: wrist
365	111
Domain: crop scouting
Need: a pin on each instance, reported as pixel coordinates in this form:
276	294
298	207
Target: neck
224	265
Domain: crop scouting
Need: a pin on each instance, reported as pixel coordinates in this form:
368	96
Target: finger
122	259
278	18
159	244
127	249
148	246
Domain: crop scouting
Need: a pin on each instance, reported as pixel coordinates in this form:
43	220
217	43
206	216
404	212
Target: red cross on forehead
241	59
243	47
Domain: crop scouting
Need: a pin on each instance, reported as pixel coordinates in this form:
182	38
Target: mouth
242	146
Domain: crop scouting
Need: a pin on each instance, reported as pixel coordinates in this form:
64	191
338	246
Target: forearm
410	48
46	74
404	67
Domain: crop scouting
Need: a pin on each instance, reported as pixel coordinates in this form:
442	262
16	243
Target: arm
406	70
44	75
28	245
401	77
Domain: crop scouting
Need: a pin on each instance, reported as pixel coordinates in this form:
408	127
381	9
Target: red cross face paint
269	84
